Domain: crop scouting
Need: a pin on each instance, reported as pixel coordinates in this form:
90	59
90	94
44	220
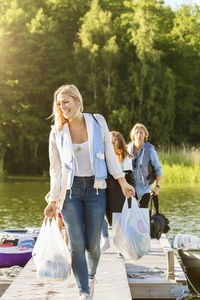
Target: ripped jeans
83	214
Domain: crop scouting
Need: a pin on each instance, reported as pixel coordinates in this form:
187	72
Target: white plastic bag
51	255
131	230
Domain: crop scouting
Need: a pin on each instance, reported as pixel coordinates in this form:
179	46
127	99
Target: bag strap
154	199
95	119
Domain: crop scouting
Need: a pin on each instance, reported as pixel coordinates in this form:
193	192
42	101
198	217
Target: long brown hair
120	146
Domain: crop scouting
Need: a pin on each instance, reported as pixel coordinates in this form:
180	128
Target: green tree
152	82
184	59
36	45
96	50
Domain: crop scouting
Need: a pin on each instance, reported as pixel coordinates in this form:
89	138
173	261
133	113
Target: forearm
158	179
122	181
54	170
156	189
55	182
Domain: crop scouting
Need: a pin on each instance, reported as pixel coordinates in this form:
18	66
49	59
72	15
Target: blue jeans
83	215
104	232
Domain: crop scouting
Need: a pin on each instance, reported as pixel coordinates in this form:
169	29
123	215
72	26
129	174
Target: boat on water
16	246
188	247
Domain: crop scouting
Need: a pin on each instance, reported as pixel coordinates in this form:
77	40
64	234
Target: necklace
78	148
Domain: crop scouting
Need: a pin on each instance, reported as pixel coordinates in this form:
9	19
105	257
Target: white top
126	164
58	171
83	165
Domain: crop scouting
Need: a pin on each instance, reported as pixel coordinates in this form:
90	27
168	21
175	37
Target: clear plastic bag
51	255
131	230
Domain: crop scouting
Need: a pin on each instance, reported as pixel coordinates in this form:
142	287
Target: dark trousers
144	202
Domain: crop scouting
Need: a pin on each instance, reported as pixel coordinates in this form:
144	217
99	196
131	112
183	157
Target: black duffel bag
158	222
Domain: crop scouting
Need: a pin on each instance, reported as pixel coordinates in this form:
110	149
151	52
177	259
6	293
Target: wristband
158	186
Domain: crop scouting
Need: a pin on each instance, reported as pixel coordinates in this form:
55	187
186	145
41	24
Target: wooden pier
151	277
158	275
4	284
111	283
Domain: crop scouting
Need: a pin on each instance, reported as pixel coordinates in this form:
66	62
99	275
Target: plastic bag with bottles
51	254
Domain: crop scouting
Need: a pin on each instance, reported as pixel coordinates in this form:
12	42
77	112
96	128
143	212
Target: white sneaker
105	244
91	286
85	296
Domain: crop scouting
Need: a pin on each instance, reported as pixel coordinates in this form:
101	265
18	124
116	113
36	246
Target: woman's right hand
51	210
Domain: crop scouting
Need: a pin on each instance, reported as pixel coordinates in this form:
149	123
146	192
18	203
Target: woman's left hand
127	189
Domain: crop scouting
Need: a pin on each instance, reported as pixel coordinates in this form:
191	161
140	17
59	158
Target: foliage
95	52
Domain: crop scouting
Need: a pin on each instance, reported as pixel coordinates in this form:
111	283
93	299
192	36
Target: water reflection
22	204
181	205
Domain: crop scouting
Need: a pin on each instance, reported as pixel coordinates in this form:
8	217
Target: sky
177	3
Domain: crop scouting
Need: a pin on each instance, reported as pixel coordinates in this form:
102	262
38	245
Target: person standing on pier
146	164
115	197
80	152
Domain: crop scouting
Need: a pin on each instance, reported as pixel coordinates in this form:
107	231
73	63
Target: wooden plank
4	284
148	276
155	291
170	264
111	283
178	272
7	275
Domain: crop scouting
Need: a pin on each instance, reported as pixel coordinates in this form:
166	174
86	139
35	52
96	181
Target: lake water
22	204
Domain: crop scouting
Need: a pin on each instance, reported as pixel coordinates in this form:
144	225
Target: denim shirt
140	188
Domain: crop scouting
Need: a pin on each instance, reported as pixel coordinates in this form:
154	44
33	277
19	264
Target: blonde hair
66	89
136	126
120	146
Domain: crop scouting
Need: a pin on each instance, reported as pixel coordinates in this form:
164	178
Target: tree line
133	61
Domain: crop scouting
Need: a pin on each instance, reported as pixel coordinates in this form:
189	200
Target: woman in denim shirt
146	165
80	151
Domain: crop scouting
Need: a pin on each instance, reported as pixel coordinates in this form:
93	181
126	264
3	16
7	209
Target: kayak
16	246
188	246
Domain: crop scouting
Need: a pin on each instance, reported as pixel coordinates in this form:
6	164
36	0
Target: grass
180	164
184	155
180	174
